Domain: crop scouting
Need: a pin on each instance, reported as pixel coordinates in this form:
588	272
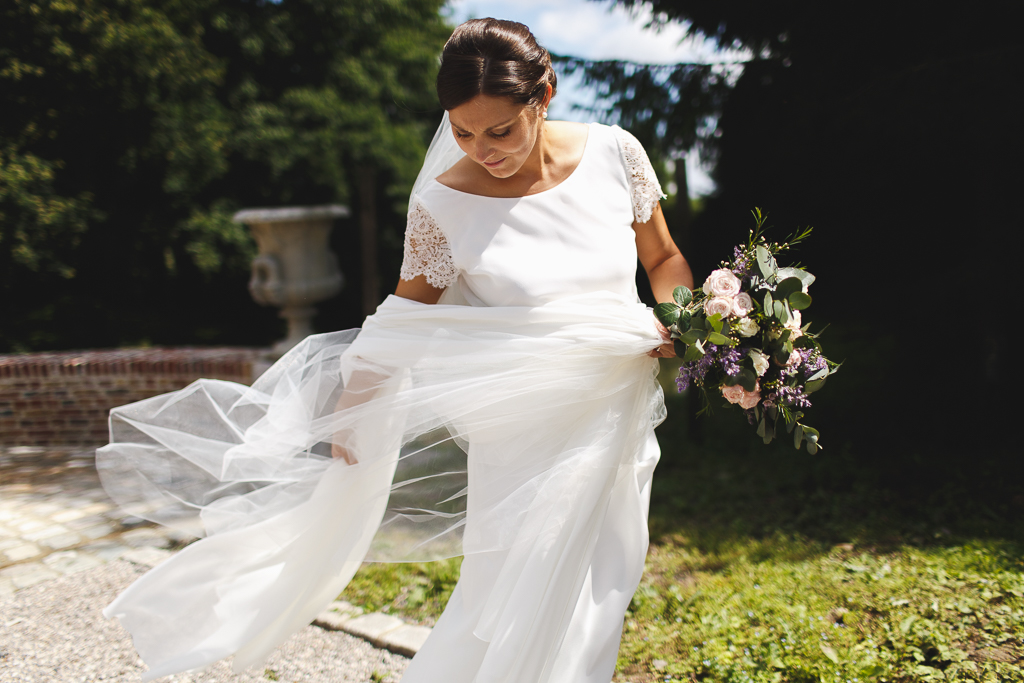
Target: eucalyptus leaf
779	310
746	379
798	436
804	277
812	447
811	386
769	432
788	286
716	322
667	314
682	295
698	322
799	300
679	346
692	336
766	263
811	434
720	339
693	352
820	374
761	428
684	320
768	301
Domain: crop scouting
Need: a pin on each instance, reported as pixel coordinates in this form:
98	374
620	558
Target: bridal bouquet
741	336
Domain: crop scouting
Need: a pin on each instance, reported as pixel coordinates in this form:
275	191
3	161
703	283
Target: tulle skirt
519	437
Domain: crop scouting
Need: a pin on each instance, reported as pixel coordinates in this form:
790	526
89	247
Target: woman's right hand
340	451
667	348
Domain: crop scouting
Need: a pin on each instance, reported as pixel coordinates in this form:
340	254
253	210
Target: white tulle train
518	436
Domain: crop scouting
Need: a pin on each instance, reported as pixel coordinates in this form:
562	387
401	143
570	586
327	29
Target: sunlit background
598	31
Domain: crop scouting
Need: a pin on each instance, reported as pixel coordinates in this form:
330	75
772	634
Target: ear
547	96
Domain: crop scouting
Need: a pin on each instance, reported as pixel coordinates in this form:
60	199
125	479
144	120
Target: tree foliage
131	130
893	130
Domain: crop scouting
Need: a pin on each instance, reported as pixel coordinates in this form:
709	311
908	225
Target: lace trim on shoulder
643	182
426	249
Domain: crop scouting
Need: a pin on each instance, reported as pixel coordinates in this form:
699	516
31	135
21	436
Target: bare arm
665	265
418	289
362	384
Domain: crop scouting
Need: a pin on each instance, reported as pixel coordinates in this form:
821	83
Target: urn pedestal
295	267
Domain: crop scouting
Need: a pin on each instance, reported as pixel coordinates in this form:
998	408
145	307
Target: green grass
768	564
418	591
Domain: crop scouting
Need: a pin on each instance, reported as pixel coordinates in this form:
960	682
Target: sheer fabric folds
477	430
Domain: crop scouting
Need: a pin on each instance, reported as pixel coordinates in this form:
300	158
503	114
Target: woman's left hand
667	349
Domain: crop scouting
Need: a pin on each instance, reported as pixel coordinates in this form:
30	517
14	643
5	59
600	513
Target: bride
501	405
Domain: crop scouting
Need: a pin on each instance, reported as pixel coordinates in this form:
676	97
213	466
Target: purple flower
740	262
794	396
730	358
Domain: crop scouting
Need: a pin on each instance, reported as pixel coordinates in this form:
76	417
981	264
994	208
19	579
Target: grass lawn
768	564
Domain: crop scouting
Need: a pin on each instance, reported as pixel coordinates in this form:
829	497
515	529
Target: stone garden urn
295	268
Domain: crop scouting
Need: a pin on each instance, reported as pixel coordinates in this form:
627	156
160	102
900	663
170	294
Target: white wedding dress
512	422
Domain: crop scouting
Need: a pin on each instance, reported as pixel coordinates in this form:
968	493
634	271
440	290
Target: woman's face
496	133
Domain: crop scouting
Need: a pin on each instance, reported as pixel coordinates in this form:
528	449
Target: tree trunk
683	214
368	239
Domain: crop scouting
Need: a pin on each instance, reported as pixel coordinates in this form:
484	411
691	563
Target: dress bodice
571	239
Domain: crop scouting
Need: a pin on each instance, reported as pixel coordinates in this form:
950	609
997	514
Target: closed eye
502	135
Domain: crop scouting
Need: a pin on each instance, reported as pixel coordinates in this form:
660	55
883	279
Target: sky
599	30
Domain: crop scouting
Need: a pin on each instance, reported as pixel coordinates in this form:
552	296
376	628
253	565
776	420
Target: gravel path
54	633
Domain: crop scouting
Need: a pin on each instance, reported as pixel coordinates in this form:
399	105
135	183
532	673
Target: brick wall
62	399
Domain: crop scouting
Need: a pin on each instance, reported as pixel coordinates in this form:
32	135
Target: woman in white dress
501	405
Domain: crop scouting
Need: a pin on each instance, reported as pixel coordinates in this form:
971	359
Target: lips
494	164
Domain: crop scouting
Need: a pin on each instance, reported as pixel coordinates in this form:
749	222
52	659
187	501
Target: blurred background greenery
131	130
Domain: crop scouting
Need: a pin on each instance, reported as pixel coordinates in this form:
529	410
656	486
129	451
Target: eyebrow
500	125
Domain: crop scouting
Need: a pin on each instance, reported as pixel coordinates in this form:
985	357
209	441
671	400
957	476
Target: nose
482	151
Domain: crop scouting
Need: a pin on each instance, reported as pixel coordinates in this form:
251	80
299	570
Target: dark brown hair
496	58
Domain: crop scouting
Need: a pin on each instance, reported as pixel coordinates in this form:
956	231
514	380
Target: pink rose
733	394
721	305
742	304
750	399
722	282
745	399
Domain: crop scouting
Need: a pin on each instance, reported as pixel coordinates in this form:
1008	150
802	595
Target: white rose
760	361
722	282
746	327
720	304
794	325
742	304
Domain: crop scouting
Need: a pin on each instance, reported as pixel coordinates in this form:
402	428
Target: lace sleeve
426	249
643	183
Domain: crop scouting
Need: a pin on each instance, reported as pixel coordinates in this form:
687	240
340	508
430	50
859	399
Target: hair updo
496	58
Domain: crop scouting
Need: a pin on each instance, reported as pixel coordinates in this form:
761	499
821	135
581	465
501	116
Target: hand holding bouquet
741	336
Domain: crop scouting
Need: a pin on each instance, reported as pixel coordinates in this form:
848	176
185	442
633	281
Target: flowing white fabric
553	404
517	430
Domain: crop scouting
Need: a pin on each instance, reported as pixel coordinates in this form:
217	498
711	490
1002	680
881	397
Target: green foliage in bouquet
741	335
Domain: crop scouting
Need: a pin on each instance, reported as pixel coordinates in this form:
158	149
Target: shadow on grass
718	486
